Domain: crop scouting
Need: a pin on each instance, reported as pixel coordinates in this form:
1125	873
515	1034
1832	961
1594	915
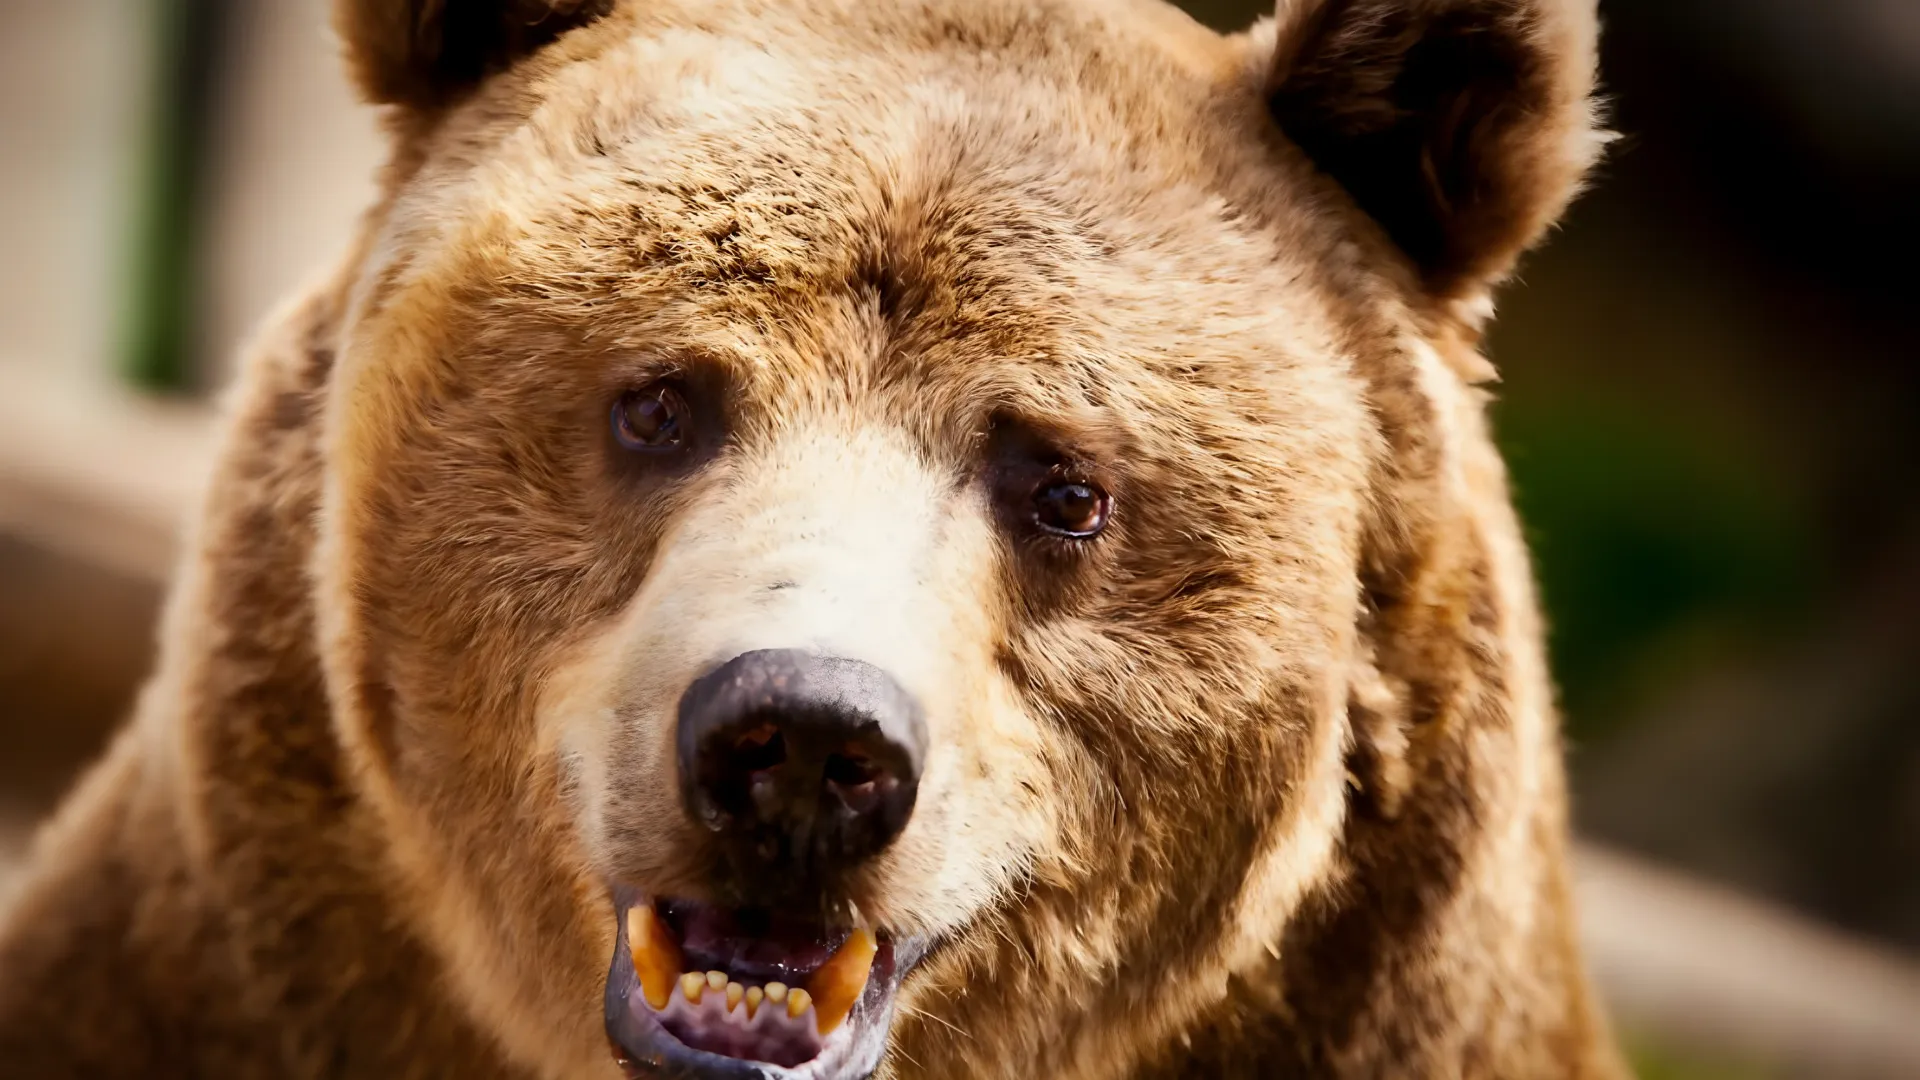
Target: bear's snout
802	765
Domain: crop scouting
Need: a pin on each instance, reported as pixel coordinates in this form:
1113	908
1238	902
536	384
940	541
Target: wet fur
1265	784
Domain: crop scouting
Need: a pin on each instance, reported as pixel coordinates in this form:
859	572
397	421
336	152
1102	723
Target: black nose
803	764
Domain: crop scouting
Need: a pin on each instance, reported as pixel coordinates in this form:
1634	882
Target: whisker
941	1020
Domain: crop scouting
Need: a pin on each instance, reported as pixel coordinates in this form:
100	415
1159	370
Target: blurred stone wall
293	157
72	76
294	167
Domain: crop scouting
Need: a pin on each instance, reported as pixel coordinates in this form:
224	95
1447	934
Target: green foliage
1659	1061
1659	545
158	330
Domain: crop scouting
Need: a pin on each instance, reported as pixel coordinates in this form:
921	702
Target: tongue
770	948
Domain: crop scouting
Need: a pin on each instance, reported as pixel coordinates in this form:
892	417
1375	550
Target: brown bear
826	538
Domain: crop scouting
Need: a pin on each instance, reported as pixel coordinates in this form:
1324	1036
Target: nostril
856	781
764	747
849	769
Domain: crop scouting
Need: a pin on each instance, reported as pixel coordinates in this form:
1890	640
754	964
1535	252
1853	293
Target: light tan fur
1263	782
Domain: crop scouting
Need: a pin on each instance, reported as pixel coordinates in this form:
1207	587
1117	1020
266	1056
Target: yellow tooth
755	996
735	992
693	984
776	992
797	1002
716	980
841	980
656	957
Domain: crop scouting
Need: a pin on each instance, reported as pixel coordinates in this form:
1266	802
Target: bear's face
864	500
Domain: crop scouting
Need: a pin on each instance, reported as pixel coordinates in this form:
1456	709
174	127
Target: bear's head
854	530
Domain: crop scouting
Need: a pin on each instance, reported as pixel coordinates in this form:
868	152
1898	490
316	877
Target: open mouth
701	991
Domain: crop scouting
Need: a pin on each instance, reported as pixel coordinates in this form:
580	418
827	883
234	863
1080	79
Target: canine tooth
693	984
755	996
776	992
798	1002
656	957
735	992
841	980
716	980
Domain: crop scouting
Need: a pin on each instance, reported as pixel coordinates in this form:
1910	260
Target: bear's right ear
1462	127
425	53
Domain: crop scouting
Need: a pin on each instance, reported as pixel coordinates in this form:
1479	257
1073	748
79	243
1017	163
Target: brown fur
1264	782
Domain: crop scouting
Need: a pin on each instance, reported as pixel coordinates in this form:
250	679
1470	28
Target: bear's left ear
1463	127
425	53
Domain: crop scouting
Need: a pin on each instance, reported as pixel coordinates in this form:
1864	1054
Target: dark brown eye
1071	508
653	419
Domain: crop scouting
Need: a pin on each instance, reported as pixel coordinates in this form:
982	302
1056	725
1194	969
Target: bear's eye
655	418
1071	508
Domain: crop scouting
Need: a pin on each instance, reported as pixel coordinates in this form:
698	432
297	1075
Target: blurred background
1710	399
